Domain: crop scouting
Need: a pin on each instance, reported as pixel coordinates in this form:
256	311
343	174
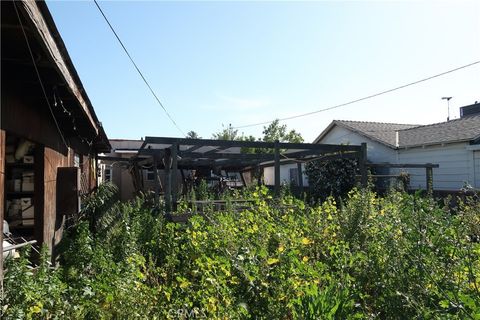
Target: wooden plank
277	169
47	220
402	165
363	165
243	179
429	177
2	195
157	180
236	156
168	182
300	174
174	176
250	144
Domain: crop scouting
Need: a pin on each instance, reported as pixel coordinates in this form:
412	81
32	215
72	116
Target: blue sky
214	63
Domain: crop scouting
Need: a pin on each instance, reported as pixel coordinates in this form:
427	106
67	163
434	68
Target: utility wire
137	68
39	77
360	99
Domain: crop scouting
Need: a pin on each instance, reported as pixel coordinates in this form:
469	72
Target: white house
454	145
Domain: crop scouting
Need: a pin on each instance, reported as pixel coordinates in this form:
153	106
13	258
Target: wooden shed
49	133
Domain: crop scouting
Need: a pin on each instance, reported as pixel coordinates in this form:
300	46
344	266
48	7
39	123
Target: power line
138	69
360	99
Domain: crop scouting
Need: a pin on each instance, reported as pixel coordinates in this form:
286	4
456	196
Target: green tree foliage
331	178
276	131
227	133
192	135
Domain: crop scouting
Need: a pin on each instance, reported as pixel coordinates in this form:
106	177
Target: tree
192	135
275	131
228	133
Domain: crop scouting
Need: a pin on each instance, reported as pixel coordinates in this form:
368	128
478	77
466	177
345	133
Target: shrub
395	257
331	178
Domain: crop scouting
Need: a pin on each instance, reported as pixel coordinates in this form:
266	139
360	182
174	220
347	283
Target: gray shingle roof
378	131
463	129
411	135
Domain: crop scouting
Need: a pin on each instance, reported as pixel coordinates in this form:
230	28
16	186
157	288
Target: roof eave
43	21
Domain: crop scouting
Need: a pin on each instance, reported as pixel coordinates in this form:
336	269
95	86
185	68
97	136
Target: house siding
269	174
376	152
454	162
457	164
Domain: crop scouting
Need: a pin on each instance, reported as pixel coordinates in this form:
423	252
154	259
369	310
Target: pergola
173	154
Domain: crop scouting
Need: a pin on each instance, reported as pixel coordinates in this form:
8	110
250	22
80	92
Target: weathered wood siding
52	160
2	206
26	117
455	163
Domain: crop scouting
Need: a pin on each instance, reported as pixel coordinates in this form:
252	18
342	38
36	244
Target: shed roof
52	58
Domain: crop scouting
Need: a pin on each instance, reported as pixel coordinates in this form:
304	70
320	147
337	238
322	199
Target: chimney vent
473	109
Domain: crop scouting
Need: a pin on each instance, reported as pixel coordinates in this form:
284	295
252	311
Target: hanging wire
38	75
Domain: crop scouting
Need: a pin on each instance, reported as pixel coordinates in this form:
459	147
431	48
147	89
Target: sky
218	63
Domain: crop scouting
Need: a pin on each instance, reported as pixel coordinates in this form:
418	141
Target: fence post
168	181
157	181
277	168
363	165
429	176
174	178
300	176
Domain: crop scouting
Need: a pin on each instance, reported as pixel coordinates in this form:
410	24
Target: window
149	175
108	174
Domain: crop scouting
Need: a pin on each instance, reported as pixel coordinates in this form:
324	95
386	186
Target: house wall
455	165
376	152
269	174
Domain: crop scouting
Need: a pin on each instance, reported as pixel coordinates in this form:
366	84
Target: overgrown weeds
395	257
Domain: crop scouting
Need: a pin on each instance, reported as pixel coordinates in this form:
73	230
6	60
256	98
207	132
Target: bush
395	257
331	178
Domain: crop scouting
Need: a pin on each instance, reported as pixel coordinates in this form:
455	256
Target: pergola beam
249	144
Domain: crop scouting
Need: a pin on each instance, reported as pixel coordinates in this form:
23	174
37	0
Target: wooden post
168	182
277	168
363	165
243	179
429	176
2	185
300	176
259	171
174	176
157	180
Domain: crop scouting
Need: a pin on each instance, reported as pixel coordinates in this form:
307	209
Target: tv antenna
448	106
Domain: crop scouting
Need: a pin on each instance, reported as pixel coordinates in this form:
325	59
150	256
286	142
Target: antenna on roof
448	106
